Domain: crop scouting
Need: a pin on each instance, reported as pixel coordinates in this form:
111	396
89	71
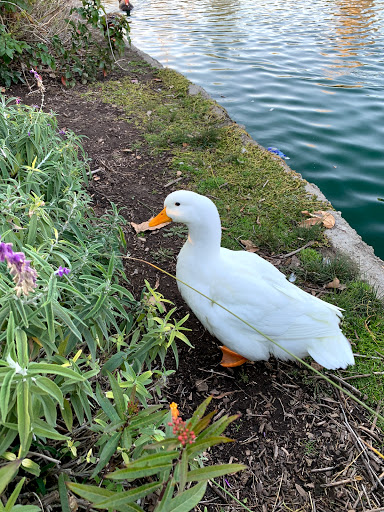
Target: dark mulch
305	446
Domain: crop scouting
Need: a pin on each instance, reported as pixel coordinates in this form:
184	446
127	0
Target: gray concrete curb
343	238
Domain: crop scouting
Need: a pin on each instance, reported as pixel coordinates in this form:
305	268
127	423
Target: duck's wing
260	294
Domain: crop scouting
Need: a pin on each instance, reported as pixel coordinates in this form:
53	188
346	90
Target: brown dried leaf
328	220
301	491
201	385
318	217
144	226
333	284
249	246
310	222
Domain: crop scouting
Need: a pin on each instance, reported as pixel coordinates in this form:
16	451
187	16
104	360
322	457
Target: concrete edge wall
342	237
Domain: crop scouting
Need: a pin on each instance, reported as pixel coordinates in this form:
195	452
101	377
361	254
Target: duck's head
187	207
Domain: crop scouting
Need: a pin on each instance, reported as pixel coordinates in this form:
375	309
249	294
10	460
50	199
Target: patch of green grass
322	270
363	324
162	254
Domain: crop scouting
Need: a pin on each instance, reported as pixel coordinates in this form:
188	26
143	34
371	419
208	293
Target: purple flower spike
29	134
62	270
24	276
62	132
5	251
18	101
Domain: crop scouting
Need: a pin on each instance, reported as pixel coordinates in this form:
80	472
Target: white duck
254	290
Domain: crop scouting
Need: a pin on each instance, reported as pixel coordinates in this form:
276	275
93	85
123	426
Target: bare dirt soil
306	446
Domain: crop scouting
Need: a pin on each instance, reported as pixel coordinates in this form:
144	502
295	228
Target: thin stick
342	482
308	244
278	492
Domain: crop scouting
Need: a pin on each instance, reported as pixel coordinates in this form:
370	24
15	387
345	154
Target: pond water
306	77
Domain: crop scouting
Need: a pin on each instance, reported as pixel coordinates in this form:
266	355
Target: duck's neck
205	239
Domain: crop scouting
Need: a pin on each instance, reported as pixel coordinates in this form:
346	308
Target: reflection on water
303	76
354	28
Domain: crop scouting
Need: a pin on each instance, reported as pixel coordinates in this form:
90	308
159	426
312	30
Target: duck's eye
177	204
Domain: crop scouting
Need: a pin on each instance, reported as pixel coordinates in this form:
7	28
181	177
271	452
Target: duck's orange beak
160	219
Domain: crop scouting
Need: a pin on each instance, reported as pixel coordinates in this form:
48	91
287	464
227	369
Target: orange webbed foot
231	359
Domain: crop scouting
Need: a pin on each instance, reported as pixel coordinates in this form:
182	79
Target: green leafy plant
167	467
66	318
73	51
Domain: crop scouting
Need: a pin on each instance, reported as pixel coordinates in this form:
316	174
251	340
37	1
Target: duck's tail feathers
332	352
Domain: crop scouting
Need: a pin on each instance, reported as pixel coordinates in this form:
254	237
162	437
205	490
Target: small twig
363	375
342	482
56	461
320	470
375	418
297	250
278	492
173	182
348	386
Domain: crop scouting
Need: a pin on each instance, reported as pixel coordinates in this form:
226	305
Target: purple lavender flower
62	270
18	101
62	131
29	134
5	251
35	74
24	276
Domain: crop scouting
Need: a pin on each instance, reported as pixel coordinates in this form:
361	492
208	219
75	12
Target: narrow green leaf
22	348
118	396
42	429
99	304
218	427
90	493
32	229
55	369
163	505
11	336
145	466
65	507
106	405
199	413
203	423
13	497
7	473
23	417
64	316
52	289
123	498
50	318
210	472
183	470
202	444
20	308
67	415
106	453
5	393
188	499
7	437
51	388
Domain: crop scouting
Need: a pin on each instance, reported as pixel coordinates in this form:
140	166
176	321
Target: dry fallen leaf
144	226
249	246
318	217
333	284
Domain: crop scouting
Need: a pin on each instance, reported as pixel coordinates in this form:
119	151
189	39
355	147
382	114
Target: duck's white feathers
254	290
